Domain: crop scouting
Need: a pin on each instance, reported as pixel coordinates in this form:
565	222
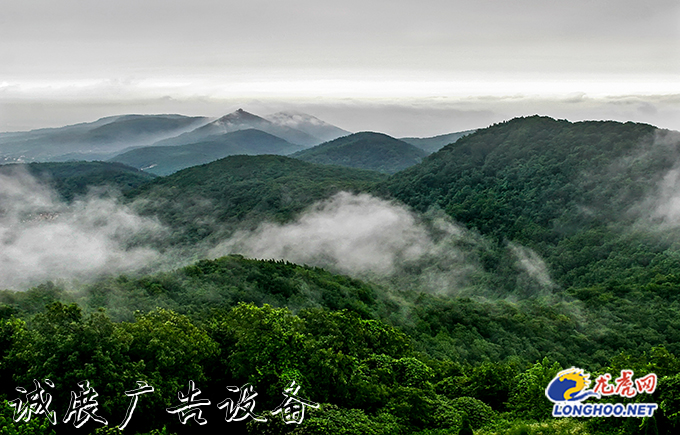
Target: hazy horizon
396	67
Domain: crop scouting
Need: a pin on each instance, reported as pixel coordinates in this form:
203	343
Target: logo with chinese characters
570	387
84	406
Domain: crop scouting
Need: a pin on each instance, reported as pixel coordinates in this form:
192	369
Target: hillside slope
71	179
242	120
164	160
202	200
95	140
562	188
365	150
435	143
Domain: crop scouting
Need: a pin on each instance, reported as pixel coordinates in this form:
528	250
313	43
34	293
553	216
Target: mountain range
73	179
94	140
435	143
166	159
145	141
242	120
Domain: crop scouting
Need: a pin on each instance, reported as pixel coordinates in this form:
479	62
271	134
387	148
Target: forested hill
71	179
557	186
538	169
435	143
196	201
365	150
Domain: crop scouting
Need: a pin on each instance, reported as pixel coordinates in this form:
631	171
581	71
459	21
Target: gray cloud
361	65
382	241
44	42
358	235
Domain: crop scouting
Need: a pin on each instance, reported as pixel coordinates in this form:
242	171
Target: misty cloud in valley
371	238
665	205
42	238
353	234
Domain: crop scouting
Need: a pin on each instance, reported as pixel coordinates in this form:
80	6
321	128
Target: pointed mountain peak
240	115
242	120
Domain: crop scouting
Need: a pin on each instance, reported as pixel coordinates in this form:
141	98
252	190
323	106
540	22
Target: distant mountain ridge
242	120
435	143
309	124
71	179
130	139
365	150
164	160
94	140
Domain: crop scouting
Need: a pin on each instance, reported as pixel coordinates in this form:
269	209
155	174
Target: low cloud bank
371	238
659	209
41	238
353	234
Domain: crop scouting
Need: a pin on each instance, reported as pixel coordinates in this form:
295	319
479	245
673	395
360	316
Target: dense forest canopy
583	195
73	179
365	150
199	201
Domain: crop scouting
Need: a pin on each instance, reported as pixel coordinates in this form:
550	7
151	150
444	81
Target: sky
405	68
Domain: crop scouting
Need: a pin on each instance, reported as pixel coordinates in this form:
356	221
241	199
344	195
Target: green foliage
36	424
364	370
669	398
568	190
62	346
225	282
490	383
555	426
31	300
329	351
167	351
477	413
366	150
161	348
264	343
466	428
72	179
330	420
210	200
527	397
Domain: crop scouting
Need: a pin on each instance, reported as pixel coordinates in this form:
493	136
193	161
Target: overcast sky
402	67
